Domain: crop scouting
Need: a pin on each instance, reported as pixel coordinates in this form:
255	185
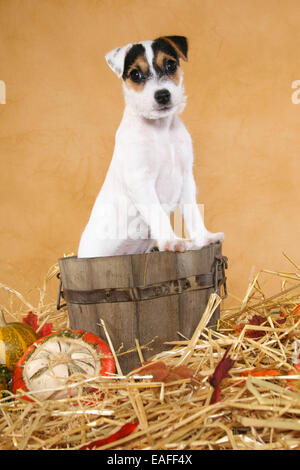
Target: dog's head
151	74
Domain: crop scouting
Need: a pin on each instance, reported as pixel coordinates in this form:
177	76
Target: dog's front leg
143	195
189	209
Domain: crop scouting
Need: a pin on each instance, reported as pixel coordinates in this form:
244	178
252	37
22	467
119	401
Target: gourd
14	340
5	377
45	369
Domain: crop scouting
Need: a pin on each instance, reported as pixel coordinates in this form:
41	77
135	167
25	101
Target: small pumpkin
15	338
48	364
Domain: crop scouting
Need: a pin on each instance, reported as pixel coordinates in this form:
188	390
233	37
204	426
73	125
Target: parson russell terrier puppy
151	172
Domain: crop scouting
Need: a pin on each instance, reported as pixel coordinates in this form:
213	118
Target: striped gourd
14	340
46	367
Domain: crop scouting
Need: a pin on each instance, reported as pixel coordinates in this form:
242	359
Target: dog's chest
169	177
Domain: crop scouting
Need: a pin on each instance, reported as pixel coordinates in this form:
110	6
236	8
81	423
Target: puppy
151	172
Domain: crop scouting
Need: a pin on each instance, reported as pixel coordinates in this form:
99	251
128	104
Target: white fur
149	176
116	57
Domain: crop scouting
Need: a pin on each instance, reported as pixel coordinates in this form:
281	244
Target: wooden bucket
142	296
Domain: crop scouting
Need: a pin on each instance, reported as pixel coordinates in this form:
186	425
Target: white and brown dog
151	172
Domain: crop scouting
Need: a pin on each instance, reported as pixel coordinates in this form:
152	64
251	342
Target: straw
254	413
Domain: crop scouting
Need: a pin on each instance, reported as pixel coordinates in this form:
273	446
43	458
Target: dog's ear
180	44
116	59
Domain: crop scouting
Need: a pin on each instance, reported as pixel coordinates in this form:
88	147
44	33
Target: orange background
64	104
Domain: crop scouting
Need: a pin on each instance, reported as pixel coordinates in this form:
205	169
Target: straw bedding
254	412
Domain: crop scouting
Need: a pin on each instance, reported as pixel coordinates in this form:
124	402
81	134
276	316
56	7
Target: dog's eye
171	66
136	76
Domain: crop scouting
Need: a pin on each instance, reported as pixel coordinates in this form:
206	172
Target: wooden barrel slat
192	303
161	317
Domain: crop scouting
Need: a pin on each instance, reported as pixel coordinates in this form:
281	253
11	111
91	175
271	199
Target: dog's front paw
178	244
208	238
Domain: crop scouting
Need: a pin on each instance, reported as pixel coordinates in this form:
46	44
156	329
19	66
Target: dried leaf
45	330
256	320
185	372
162	373
31	320
259	373
220	373
296	311
158	370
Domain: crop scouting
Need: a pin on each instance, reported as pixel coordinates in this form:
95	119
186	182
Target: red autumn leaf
297	310
125	430
172	377
158	370
162	373
220	373
259	373
278	317
216	396
221	370
45	330
256	320
280	321
185	372
31	320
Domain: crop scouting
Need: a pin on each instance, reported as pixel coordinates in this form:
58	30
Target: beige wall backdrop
63	106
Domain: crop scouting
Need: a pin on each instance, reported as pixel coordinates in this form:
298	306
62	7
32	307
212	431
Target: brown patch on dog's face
167	65
141	63
137	74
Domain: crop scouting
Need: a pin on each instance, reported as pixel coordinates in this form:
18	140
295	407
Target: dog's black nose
162	96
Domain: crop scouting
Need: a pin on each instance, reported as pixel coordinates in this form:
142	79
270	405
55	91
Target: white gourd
53	363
